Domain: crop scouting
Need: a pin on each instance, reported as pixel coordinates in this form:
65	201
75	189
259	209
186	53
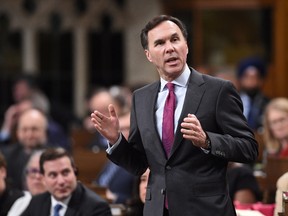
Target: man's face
59	178
31	130
21	90
167	50
251	81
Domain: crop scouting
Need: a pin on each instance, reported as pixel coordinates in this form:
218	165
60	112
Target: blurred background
73	45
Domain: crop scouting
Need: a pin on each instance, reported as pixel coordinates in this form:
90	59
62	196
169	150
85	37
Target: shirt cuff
111	148
206	151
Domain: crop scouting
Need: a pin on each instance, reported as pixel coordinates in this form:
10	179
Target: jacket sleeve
236	141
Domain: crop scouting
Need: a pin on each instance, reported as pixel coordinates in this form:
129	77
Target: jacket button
168	167
163	191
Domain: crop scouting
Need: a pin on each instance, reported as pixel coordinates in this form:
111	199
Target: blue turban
251	61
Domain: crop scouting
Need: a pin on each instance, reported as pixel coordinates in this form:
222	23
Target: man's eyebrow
175	35
158	41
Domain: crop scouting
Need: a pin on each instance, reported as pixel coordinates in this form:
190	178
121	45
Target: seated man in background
33	184
98	99
31	134
55	133
251	73
117	180
65	195
7	194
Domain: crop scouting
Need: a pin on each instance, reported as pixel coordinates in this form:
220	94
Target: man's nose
60	179
169	47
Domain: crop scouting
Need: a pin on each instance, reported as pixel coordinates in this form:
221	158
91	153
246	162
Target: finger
112	111
194	119
96	117
188	126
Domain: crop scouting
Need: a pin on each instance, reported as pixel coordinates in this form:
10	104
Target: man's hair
52	154
155	22
2	161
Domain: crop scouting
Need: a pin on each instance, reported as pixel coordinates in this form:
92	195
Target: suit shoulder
213	79
92	196
40	198
92	202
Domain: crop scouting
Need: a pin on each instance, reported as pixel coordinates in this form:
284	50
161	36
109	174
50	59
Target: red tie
168	120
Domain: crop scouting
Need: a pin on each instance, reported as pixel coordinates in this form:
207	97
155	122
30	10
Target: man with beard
251	73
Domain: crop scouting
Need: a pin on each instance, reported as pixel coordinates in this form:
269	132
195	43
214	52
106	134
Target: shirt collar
182	80
64	203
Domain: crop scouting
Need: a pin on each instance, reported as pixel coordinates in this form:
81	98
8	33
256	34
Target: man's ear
76	171
148	56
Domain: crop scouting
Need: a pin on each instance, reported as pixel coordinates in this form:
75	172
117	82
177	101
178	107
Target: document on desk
240	212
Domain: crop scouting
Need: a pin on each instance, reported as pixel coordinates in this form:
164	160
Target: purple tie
168	120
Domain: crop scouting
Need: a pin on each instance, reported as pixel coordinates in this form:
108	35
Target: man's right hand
107	126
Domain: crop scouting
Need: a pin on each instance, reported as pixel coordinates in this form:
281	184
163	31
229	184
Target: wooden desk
89	164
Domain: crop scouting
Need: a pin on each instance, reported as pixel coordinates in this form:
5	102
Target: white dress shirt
64	204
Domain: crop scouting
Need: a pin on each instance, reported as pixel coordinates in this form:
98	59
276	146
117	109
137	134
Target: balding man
31	134
98	99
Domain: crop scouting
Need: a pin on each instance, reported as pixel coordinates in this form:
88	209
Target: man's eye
52	175
175	39
159	43
66	172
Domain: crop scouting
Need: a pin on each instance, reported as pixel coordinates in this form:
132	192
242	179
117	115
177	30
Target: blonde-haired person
275	133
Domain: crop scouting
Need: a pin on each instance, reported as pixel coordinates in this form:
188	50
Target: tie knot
170	86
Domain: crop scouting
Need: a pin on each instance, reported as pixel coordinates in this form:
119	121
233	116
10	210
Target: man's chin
62	196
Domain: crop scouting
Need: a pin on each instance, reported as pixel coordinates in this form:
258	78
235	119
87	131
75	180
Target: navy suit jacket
120	183
83	202
193	181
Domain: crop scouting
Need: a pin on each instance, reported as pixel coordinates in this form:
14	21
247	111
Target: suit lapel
151	102
74	203
195	91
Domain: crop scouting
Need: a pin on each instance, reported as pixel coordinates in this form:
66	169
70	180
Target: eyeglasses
33	172
279	122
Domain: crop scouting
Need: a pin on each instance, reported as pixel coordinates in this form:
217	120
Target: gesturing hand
192	130
108	126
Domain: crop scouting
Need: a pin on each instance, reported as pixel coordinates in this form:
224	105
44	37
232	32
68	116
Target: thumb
112	111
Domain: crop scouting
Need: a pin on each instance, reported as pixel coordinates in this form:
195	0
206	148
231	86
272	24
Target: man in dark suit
251	73
31	135
65	195
189	179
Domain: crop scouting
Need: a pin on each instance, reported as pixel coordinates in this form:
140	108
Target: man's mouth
172	59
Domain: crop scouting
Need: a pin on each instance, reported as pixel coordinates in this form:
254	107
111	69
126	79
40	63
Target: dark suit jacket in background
121	182
7	199
16	159
83	202
194	182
